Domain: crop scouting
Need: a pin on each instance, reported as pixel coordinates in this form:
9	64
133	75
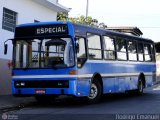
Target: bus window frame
103	40
86	51
150	55
131	40
140	42
100	36
123	38
25	39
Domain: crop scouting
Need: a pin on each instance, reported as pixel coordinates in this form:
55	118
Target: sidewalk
8	101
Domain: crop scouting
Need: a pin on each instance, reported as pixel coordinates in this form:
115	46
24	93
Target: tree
80	20
62	16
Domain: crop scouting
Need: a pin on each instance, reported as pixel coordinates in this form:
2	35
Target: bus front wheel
95	92
140	87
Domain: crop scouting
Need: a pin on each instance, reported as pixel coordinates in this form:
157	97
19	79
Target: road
115	106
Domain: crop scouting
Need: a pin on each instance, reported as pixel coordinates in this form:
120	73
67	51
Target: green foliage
80	20
62	16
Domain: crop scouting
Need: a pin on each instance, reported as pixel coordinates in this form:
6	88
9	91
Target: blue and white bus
63	58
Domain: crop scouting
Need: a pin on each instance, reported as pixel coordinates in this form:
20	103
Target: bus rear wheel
95	92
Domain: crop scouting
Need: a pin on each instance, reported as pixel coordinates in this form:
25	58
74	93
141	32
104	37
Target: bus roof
83	29
42	23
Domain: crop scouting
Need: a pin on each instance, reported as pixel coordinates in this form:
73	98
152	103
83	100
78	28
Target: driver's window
81	51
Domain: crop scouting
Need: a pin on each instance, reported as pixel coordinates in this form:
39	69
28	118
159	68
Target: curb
10	108
9	103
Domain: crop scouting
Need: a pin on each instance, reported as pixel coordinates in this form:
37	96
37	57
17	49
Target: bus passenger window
140	52
147	52
132	52
109	49
94	46
81	52
153	52
121	49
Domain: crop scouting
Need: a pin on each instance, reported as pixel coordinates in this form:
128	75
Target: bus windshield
43	53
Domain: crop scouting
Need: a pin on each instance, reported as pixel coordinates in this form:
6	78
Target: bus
63	58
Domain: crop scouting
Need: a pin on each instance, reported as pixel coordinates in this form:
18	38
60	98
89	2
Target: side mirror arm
6	46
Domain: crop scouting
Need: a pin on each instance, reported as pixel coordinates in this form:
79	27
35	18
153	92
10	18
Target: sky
144	14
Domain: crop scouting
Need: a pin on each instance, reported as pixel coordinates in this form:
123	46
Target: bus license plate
40	91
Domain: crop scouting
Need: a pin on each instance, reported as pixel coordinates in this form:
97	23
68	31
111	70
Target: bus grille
42	84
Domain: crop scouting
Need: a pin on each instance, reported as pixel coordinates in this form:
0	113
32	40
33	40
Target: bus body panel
119	80
83	87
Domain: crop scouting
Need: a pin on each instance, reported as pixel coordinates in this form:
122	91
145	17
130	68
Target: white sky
144	14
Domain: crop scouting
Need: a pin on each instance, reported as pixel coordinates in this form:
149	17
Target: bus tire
140	87
95	92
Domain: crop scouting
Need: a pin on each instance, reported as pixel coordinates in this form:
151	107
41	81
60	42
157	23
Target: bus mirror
5	48
157	46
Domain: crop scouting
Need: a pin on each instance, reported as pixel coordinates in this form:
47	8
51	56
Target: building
129	30
13	12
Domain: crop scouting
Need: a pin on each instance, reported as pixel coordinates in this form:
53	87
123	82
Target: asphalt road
115	106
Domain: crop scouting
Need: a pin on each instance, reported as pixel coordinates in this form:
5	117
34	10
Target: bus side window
81	52
121	49
94	46
109	49
147	52
132	52
140	52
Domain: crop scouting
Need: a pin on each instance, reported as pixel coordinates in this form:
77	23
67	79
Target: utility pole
87	5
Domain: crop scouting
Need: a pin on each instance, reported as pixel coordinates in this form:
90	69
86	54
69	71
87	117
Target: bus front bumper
74	88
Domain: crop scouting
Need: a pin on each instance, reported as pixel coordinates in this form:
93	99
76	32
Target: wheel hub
93	91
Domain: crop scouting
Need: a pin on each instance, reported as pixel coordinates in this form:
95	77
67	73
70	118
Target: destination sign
41	31
51	30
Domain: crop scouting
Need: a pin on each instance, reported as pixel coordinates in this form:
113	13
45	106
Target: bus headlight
22	83
19	84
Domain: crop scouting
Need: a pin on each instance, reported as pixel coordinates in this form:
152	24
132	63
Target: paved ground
9	101
111	107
